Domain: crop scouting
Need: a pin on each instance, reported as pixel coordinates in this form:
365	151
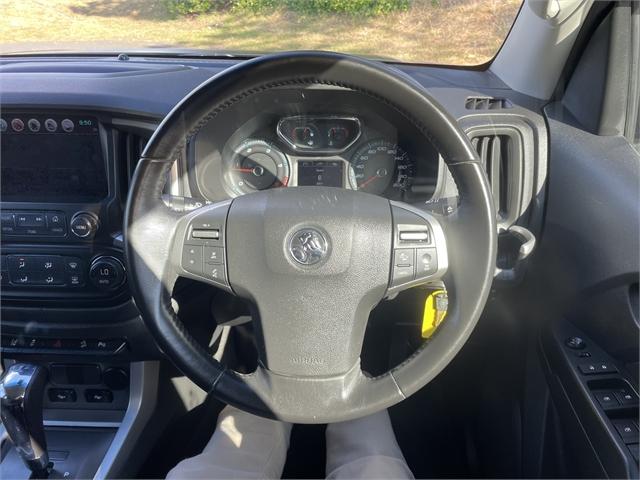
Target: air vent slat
494	167
494	151
129	147
487	103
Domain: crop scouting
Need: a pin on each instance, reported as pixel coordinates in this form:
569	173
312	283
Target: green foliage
196	7
313	7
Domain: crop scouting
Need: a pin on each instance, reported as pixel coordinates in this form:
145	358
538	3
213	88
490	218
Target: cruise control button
213	255
402	275
192	259
403	257
426	262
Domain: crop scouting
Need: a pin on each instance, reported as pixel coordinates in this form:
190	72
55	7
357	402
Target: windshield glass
454	32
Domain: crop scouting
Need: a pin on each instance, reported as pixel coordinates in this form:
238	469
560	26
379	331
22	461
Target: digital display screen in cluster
321	173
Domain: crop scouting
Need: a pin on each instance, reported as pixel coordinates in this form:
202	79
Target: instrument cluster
323	150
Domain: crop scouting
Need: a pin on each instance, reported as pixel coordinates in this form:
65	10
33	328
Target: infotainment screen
51	158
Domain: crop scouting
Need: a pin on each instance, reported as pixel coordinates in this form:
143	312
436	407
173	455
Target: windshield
453	32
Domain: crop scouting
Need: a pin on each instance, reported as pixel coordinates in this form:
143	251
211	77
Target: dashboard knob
106	273
84	224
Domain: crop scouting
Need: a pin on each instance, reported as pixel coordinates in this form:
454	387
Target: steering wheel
312	261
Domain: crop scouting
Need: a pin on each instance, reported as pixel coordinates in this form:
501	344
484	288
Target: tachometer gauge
380	165
257	165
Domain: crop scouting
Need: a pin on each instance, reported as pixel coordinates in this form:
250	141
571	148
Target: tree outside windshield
452	32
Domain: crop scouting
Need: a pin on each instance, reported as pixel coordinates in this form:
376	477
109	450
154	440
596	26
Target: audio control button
84	224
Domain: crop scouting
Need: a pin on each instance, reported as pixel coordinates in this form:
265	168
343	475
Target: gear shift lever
21	393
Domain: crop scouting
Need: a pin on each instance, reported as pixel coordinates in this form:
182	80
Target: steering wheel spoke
420	255
199	245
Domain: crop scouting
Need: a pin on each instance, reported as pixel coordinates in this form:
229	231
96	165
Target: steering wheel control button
192	259
200	234
308	246
418	236
402	274
106	273
575	343
215	273
84	224
426	263
213	255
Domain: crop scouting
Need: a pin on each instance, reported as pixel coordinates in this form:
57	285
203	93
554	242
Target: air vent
487	103
500	158
129	147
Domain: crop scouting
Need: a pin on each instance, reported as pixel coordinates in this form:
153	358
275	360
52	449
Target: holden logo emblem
308	246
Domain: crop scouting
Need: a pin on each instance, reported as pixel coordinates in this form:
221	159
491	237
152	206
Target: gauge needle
369	180
243	170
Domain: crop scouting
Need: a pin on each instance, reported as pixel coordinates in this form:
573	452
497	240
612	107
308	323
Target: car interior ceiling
546	386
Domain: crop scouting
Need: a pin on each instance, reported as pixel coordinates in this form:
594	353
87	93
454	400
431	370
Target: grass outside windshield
450	32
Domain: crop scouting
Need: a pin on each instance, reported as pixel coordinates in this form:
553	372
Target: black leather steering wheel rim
149	225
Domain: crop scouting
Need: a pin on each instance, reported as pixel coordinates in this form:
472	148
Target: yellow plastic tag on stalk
435	309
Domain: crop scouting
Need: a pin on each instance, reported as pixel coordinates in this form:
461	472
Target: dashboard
69	150
285	138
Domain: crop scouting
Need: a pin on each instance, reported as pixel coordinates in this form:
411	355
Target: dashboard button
73	264
50	125
27	220
17	125
84	225
56	224
95	395
34	125
8	219
74	279
19	263
65	395
50	279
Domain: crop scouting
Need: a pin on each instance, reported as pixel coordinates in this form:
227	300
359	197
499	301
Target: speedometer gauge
257	165
380	165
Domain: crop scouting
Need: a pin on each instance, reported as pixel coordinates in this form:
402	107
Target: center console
66	307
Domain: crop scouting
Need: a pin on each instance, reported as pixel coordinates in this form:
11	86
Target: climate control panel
59	272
